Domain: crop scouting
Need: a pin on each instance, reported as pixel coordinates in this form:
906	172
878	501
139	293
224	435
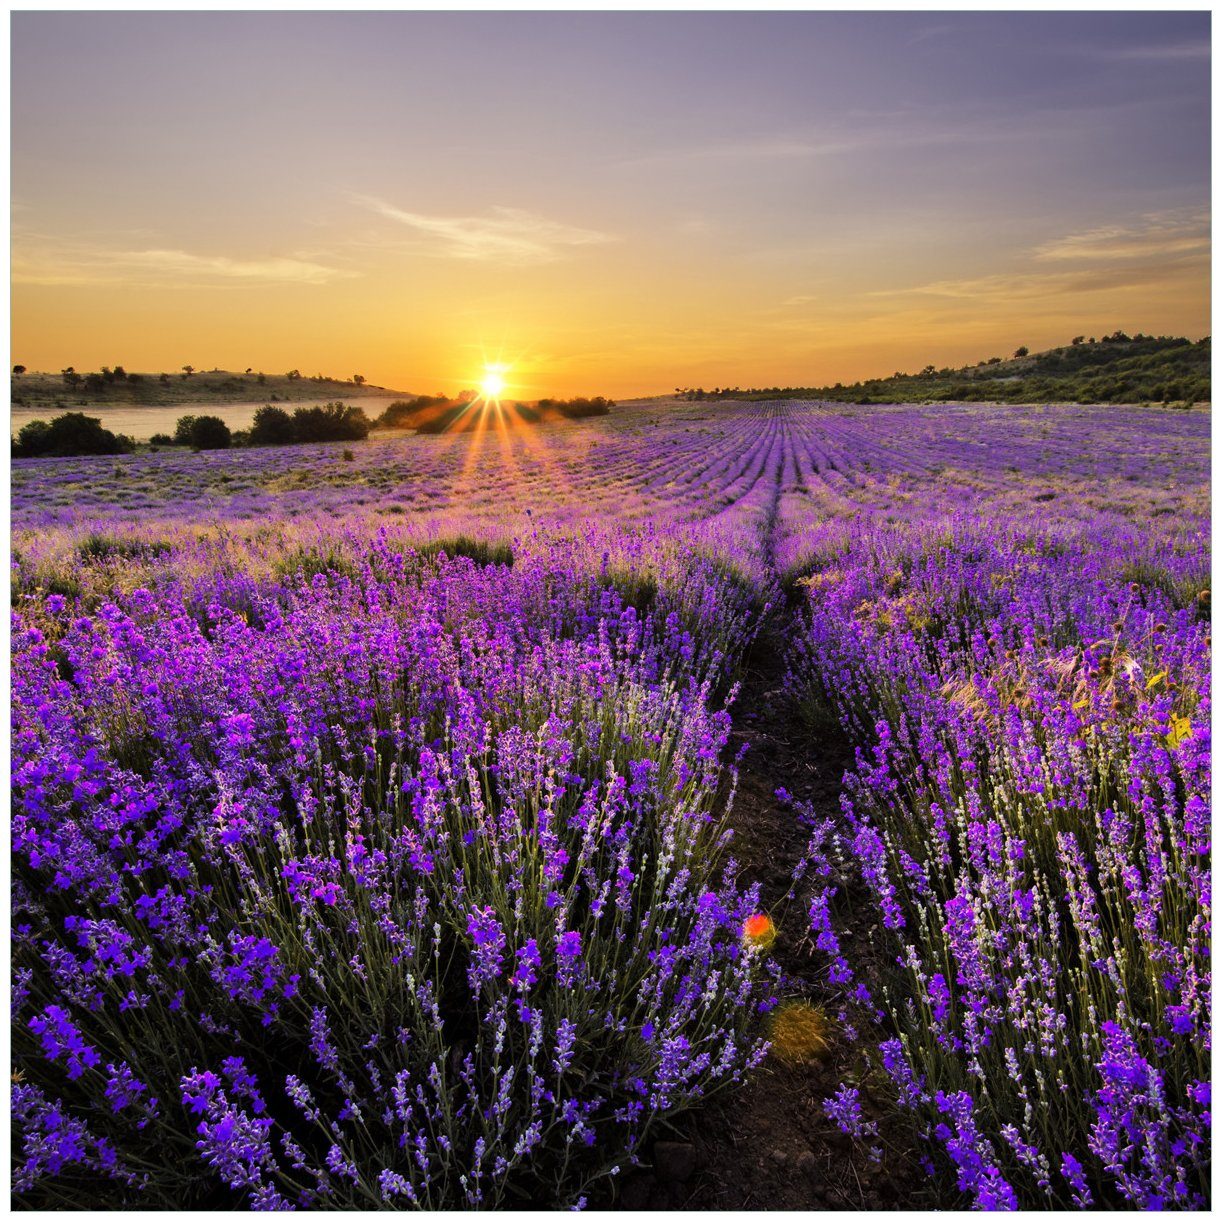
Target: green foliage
1117	369
65	436
272	426
405	413
203	433
330	422
638	588
1188	591
100	547
440	423
481	551
577	408
310	562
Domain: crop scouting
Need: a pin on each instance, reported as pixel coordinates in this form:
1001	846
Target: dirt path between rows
769	1144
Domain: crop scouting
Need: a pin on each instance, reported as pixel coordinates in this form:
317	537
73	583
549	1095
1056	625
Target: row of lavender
390	880
680	464
1028	820
449	826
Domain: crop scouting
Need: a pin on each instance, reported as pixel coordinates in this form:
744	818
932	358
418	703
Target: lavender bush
395	888
1030	820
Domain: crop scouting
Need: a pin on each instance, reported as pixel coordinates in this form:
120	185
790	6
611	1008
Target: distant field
686	807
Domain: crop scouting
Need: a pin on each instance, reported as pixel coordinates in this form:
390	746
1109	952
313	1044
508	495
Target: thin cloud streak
870	132
1027	286
509	235
1154	249
1155	235
1167	51
70	264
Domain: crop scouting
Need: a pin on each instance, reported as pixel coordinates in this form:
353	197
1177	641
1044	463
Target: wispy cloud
873	131
1156	249
1154	235
507	235
1188	50
1028	286
50	262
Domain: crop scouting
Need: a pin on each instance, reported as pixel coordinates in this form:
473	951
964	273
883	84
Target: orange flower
759	931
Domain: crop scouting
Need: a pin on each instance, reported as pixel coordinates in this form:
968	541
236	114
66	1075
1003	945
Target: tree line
1117	368
74	433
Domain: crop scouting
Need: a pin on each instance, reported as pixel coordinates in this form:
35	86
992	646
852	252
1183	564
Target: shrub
330	422
70	434
272	426
162	439
1029	816
375	924
402	412
443	422
208	433
577	408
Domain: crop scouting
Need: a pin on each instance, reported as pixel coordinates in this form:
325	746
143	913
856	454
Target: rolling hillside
73	388
1116	369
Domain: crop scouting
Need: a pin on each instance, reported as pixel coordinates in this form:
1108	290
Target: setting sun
492	385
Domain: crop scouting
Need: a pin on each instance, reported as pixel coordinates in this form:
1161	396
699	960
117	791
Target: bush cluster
577	408
71	434
404	413
273	426
202	433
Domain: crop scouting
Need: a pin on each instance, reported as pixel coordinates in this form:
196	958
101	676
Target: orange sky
605	203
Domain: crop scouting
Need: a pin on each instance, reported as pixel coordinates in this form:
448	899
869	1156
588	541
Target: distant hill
1116	369
75	388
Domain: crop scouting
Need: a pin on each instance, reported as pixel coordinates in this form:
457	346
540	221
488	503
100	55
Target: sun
493	383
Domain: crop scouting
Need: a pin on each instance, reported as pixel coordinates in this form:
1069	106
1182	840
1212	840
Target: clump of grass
483	552
1185	591
310	562
638	589
99	547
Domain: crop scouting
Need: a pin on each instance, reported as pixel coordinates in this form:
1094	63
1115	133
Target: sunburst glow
492	383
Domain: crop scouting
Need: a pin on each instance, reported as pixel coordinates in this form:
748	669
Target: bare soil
769	1144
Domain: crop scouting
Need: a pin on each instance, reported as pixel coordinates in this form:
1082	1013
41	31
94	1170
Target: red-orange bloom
758	930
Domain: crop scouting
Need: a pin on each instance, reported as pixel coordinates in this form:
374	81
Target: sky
602	203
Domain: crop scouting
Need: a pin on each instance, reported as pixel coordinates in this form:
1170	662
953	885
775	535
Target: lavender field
374	823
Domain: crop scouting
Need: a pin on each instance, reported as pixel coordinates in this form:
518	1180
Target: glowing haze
602	203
